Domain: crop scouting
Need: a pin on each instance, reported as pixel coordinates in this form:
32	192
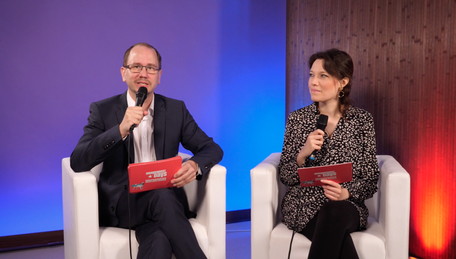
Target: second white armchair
387	233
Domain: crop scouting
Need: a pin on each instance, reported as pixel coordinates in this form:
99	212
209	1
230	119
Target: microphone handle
321	125
141	96
312	156
134	125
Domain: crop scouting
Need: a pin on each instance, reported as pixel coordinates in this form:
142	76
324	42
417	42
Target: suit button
208	166
113	208
125	187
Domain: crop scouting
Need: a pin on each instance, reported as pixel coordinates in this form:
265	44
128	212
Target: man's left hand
186	174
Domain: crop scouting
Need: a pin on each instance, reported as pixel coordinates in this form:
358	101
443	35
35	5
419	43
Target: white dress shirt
143	134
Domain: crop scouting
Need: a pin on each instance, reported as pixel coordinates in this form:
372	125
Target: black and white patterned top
353	141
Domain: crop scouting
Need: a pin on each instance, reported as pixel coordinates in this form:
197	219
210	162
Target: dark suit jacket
102	142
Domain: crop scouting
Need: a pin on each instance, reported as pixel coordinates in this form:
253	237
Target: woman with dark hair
327	214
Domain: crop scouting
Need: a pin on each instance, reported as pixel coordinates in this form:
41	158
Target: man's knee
149	232
165	200
153	243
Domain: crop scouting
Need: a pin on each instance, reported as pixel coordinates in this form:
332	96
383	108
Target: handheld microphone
321	124
141	96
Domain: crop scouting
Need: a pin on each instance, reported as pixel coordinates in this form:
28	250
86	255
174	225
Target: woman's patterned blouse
353	140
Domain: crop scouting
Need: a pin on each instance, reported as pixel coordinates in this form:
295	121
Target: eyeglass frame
155	70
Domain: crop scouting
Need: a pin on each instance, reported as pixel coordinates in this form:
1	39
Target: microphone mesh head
142	90
141	96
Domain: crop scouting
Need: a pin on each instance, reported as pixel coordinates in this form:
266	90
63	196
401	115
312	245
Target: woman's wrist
300	159
345	194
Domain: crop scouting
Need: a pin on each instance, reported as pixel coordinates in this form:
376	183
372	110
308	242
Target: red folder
153	175
312	176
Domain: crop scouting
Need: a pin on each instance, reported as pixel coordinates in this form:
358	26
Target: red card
312	176
153	175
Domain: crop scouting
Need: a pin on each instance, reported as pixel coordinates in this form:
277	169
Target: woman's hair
339	65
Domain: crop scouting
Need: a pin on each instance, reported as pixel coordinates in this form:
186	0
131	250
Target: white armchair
84	239
387	233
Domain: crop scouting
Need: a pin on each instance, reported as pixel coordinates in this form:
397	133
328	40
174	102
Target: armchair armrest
80	213
207	197
265	204
394	214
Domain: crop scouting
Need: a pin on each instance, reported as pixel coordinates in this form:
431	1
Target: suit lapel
120	113
159	127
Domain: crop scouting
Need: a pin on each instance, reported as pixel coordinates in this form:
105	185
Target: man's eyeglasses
135	68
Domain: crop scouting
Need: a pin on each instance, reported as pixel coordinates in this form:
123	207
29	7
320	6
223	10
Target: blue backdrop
224	58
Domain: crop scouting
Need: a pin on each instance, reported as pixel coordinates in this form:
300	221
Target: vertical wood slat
405	75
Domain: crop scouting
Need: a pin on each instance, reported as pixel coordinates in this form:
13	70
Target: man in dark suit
160	217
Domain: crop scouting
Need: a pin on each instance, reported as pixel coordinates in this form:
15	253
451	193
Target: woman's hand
334	191
314	142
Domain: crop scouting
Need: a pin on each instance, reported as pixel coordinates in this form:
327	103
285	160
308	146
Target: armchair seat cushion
201	235
370	242
114	241
280	243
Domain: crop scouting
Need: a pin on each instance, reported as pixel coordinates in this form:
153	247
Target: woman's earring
341	95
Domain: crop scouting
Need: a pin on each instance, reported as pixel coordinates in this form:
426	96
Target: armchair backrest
193	189
374	202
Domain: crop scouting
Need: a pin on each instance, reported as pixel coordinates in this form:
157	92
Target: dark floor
237	246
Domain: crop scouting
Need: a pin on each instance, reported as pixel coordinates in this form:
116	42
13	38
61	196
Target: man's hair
339	65
127	53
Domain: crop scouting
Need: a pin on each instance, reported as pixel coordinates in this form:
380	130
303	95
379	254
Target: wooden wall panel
405	75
